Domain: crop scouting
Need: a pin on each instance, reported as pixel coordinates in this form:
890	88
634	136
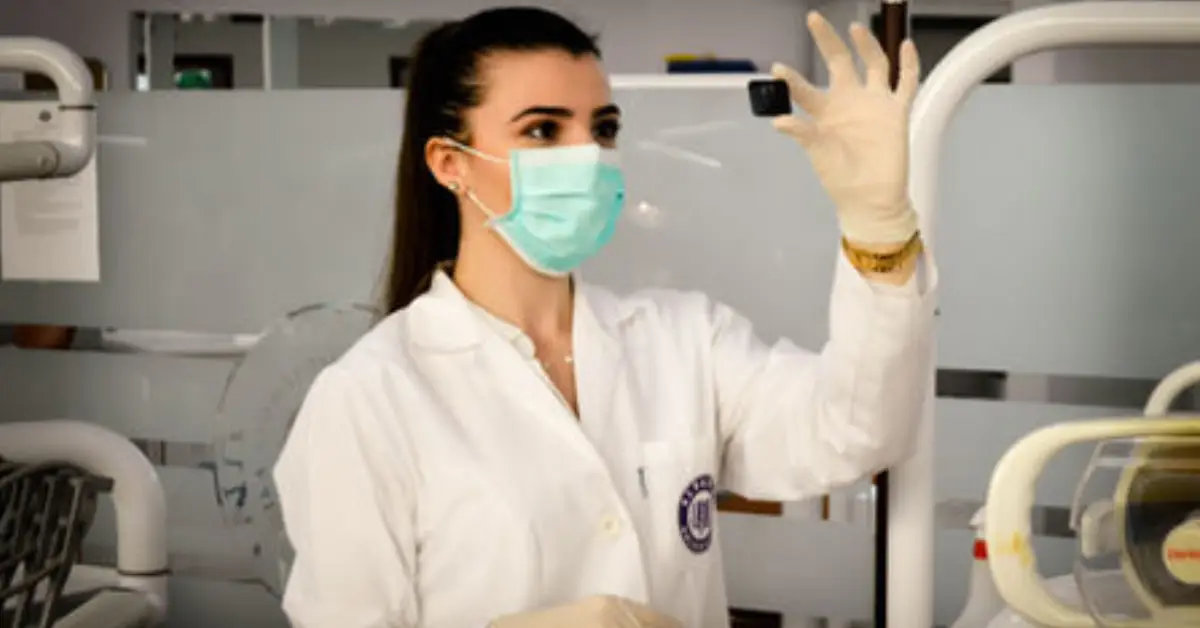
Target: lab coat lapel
607	412
441	321
605	440
599	361
445	323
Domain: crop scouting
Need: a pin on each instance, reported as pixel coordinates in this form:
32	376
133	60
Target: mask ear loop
457	187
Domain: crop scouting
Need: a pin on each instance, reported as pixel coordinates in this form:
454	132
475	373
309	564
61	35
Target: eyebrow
562	112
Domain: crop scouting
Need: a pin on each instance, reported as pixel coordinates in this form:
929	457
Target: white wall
635	34
1163	64
343	54
1109	64
933	46
353	54
1146	64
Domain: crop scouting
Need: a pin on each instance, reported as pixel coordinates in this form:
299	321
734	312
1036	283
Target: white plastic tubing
76	143
911	526
137	493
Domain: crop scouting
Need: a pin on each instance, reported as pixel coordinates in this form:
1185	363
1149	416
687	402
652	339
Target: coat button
611	525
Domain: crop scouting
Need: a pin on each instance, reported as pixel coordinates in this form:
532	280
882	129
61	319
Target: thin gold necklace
567	359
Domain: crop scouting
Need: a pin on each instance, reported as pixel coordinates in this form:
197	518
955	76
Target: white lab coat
434	479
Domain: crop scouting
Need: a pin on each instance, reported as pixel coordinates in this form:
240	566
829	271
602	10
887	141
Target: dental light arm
137	493
73	149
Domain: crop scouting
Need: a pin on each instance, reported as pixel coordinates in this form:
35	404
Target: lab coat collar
443	320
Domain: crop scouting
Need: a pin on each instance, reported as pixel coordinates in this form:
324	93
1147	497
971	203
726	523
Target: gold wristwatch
882	263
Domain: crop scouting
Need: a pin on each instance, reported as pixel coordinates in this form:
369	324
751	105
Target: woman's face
535	99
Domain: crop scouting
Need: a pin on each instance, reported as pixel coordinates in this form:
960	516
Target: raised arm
795	423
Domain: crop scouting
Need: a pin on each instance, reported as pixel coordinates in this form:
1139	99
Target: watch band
871	262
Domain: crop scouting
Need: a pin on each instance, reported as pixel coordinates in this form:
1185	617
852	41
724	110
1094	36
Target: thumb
804	131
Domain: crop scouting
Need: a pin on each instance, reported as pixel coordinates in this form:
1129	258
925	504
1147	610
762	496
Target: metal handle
73	150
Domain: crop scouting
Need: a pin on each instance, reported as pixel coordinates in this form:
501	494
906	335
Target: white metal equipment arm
137	493
73	149
911	499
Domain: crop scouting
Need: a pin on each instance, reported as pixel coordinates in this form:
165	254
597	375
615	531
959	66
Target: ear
445	162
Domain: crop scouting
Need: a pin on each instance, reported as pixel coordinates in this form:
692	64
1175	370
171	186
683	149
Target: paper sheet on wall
49	230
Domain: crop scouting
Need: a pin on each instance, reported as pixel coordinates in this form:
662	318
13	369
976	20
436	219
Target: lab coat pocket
682	508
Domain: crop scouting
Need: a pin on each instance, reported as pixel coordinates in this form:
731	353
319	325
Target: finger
874	59
833	50
910	72
804	131
808	97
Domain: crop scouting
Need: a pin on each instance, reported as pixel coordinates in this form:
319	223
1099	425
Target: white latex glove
602	611
856	133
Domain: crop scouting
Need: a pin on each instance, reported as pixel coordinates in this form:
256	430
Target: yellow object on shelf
683	57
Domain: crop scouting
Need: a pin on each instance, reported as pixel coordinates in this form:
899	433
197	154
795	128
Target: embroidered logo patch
696	507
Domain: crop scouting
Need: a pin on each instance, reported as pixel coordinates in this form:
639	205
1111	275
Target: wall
1131	64
1162	64
1109	64
635	35
344	54
242	41
933	46
353	54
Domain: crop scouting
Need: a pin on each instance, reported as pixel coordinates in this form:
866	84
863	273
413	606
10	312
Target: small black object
770	98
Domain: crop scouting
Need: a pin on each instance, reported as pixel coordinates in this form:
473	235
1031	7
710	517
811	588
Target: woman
512	449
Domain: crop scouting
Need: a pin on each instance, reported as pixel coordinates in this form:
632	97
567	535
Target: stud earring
453	186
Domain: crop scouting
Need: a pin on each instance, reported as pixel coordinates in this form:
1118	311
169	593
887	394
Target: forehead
513	81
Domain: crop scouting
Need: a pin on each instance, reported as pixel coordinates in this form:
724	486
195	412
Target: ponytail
426	228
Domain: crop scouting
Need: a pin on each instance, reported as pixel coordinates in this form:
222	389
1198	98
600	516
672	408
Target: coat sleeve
347	513
794	424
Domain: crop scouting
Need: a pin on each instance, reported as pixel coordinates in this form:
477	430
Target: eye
545	131
606	131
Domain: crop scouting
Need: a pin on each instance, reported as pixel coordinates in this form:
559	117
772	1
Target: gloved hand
601	611
856	133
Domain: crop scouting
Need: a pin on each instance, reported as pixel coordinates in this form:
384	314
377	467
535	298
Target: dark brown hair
443	85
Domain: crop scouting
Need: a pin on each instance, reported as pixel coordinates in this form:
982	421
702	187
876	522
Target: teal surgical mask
565	204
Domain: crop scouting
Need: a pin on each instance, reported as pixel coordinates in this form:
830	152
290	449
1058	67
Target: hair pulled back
443	85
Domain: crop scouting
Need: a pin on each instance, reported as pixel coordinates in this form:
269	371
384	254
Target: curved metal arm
137	492
1173	385
910	530
73	150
